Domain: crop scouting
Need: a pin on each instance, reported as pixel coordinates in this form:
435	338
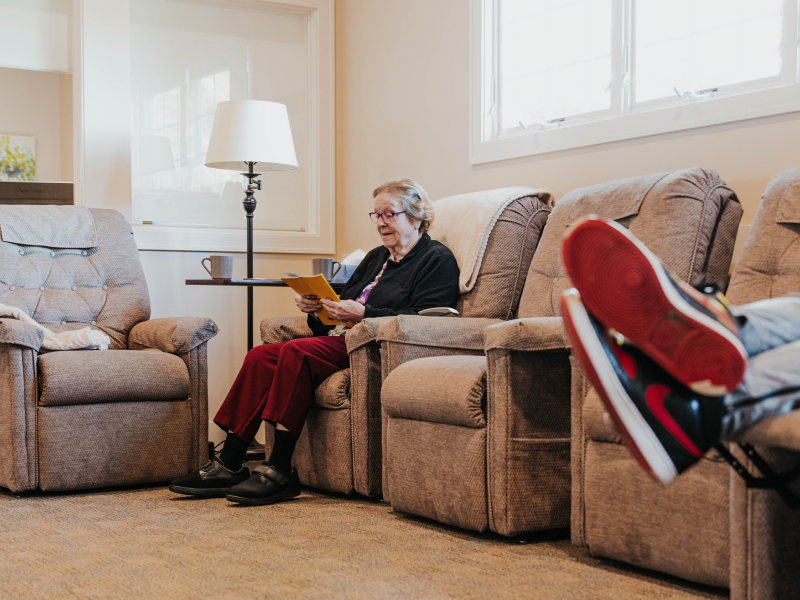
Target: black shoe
266	485
691	334
666	426
212	481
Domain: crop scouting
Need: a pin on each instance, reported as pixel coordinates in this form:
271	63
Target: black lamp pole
249	204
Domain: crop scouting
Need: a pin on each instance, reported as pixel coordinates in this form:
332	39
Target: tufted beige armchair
89	418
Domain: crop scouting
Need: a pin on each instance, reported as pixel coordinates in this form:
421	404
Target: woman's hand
346	311
306	305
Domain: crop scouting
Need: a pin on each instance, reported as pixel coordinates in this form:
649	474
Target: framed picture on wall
17	158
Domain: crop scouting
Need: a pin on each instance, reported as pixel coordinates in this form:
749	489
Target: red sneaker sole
640	440
626	288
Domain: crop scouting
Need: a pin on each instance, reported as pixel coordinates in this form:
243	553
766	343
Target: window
554	74
187	56
207	92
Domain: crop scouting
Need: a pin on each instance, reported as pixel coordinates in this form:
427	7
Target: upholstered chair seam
515	309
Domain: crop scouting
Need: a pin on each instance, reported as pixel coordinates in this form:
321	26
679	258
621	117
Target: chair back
688	218
768	265
506	259
67	283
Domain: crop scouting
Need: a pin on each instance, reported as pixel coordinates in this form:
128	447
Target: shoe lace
214	451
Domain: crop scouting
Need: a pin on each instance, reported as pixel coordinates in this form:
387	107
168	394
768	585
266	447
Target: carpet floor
149	543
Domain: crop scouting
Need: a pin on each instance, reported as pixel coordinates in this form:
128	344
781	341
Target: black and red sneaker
665	425
691	335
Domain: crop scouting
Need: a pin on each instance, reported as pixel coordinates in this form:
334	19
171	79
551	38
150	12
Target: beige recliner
93	418
340	447
707	526
482	440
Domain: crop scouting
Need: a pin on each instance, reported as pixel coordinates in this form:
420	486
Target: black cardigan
426	277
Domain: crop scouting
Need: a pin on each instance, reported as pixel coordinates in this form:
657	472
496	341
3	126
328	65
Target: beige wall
31	104
65	126
402	109
402	74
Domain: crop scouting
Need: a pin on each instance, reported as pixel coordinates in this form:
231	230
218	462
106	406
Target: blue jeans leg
770	332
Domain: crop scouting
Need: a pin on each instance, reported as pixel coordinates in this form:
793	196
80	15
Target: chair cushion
439	389
334	392
94	376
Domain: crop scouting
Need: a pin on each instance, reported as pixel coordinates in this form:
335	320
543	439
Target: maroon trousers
277	382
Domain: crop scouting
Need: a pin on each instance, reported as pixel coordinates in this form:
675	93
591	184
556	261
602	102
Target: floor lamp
247	133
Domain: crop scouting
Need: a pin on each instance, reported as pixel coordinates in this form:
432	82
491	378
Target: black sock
282	450
232	453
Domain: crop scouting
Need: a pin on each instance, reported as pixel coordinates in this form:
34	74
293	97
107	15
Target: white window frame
102	122
627	120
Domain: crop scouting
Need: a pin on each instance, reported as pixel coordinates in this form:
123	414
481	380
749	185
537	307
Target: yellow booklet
315	288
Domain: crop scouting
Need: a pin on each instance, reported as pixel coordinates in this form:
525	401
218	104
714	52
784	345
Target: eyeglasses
387	216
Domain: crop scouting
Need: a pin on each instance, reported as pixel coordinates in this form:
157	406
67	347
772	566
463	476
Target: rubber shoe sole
202	492
626	287
639	437
279	497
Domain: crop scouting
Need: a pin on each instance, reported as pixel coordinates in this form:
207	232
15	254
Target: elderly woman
408	273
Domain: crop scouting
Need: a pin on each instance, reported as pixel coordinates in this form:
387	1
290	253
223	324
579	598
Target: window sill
690	115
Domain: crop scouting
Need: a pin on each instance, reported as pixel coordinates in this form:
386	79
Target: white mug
325	266
221	266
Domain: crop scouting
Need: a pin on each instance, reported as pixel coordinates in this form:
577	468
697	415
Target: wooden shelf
37	192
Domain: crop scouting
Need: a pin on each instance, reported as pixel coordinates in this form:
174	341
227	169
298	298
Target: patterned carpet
148	543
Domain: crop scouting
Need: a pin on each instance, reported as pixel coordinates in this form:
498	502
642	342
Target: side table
251	283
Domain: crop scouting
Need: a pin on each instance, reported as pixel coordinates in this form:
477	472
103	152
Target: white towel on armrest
67	340
463	224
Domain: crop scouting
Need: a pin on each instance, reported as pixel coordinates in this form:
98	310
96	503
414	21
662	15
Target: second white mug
221	266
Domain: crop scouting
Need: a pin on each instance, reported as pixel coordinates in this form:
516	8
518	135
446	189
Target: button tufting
105	287
63	322
12	288
74	288
84	253
22	252
94	322
53	253
555	280
41	288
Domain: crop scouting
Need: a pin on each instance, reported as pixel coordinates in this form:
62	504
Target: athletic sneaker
692	335
666	426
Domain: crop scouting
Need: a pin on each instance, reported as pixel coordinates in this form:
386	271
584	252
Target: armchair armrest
365	332
19	333
283	329
175	335
528	335
19	395
442	332
408	337
528	425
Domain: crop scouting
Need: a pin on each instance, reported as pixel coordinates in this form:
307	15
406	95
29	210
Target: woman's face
395	233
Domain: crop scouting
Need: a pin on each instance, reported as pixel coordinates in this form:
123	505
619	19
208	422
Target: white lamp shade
251	131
